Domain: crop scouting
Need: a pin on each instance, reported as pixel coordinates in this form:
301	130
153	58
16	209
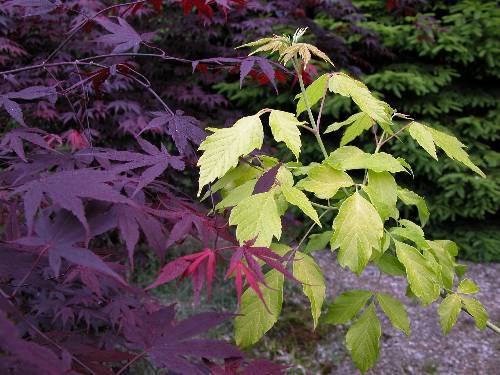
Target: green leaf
363	339
448	311
423	136
357	128
314	93
420	272
411	231
308	272
454	149
324	181
318	241
223	148
236	195
257	216
346	306
255	320
232	179
358	229
350	157
296	197
395	311
390	265
285	127
408	197
477	310
344	85
446	261
467	286
337	125
382	190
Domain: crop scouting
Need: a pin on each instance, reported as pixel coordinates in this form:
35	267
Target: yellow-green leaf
346	306
408	197
421	273
314	93
363	339
382	190
357	128
350	157
467	286
257	217
255	320
236	195
318	241
448	311
358	230
337	125
285	127
395	311
308	272
223	148
477	310
423	136
296	197
324	181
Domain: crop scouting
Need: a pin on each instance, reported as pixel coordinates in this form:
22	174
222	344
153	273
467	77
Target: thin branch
394	135
129	363
318	120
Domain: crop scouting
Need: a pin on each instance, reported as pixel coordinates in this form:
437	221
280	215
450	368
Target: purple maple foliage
102	109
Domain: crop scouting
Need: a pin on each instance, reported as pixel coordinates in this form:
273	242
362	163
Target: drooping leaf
390	265
357	128
337	125
223	148
255	320
477	310
324	181
411	231
344	85
395	311
346	306
448	311
267	180
237	194
408	197
421	274
309	274
285	128
363	339
467	286
350	157
314	93
423	137
358	230
296	197
257	217
446	261
382	190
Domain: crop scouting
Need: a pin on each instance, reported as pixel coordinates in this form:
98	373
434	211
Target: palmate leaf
306	270
257	217
285	127
350	157
223	148
255	320
429	138
363	339
324	181
421	273
358	230
346	306
344	85
448	311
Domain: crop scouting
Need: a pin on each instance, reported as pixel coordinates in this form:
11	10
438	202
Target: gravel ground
466	350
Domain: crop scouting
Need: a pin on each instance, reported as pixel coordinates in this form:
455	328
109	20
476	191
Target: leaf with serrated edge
255	320
308	272
257	217
358	229
314	93
423	137
357	128
363	339
223	148
337	125
351	157
324	181
285	127
395	311
382	190
296	197
477	310
408	197
467	286
346	306
421	274
448	311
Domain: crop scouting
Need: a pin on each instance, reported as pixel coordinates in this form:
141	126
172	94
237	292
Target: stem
309	112
33	266
328	208
381	143
129	363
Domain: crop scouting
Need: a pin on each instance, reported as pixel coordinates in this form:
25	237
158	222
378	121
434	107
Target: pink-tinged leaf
170	272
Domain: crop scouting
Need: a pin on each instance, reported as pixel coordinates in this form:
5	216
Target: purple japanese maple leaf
34	7
30	93
13	140
267	180
265	66
237	366
168	342
67	189
180	127
60	238
123	36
